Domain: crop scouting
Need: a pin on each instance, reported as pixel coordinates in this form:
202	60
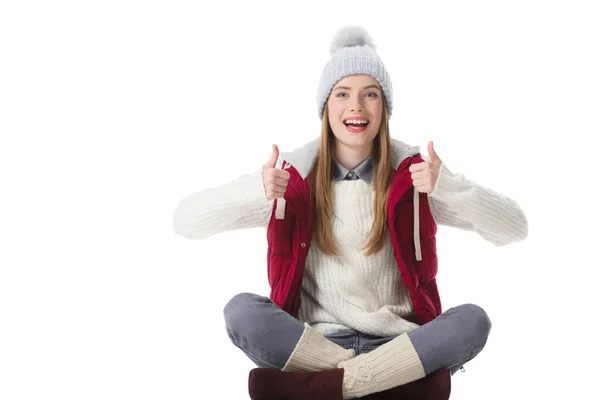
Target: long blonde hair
320	181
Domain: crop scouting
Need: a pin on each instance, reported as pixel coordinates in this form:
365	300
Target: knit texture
352	291
353	51
314	352
239	204
392	364
455	202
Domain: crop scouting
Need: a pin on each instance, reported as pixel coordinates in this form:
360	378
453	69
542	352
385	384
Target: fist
425	175
275	180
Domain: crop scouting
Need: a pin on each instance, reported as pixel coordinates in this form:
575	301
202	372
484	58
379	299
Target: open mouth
356	125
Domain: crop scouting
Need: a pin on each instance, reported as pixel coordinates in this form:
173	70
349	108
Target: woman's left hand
425	174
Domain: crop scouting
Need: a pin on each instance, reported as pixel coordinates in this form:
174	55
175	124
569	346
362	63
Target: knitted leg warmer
314	352
391	364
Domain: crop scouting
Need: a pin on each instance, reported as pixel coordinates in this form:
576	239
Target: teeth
356	121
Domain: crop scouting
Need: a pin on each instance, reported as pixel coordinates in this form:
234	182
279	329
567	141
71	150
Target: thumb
432	154
273	160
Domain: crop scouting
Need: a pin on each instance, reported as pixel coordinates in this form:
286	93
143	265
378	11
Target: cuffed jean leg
453	338
263	331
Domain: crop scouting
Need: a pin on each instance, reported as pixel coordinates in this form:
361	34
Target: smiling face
354	107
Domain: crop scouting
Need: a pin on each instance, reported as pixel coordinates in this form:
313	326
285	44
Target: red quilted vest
412	234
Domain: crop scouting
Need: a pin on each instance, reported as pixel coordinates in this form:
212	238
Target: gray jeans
268	335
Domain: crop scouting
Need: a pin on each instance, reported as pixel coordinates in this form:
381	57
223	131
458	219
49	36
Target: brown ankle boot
435	386
273	384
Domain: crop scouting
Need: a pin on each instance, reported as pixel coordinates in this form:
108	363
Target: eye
338	95
373	93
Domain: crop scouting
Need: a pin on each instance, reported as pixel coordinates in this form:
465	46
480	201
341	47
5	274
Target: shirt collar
363	171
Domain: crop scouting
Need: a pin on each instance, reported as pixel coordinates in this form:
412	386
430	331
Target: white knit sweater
352	291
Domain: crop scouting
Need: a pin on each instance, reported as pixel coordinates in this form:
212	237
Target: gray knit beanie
353	52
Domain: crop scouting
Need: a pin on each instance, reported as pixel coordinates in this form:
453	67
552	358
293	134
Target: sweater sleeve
460	203
239	204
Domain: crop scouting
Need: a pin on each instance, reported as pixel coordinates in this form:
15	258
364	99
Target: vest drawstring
416	234
280	202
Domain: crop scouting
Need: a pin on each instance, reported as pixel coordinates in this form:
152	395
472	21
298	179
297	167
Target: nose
356	105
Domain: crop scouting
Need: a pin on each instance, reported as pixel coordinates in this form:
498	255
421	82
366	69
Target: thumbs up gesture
275	180
426	174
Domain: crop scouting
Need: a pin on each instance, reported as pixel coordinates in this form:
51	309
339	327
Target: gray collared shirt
364	171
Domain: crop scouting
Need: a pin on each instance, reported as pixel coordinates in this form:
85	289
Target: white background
111	112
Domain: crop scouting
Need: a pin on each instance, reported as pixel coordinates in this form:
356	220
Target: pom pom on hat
349	36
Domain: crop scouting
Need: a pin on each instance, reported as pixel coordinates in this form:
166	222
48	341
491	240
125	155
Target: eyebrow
366	87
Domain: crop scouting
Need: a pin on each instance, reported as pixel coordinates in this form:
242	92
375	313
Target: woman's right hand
275	180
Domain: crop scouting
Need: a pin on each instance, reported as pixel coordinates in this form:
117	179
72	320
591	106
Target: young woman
351	219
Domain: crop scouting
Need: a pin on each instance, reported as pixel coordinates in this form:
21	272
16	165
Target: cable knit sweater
352	291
